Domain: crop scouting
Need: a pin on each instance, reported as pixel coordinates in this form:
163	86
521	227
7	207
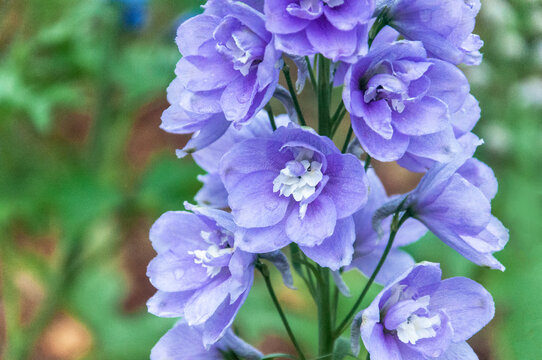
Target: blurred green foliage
74	86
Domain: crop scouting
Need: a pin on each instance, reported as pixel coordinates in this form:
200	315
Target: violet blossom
421	317
454	201
228	72
444	27
337	29
184	342
295	186
405	106
199	272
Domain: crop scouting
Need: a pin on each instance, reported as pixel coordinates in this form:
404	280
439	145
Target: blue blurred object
134	13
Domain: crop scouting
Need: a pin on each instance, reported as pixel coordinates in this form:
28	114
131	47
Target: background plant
51	66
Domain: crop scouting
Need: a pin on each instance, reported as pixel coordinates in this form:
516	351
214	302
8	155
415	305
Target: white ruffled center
417	327
299	179
208	258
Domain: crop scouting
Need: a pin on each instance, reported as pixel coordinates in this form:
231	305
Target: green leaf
167	183
96	298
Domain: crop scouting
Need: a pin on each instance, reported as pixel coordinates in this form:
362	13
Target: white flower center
416	328
207	258
299	179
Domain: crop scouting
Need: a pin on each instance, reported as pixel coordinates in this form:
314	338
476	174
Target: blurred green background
85	170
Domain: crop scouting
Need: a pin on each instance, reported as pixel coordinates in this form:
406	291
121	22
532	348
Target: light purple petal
427	116
458	351
167	304
396	264
331	42
441	146
279	21
449	84
171	272
250	156
468	305
347	185
378	116
335	251
213	193
205	301
238	96
351	13
481	176
177	230
317	224
295	44
222	319
253	202
461	208
211	131
381	346
201	74
466	118
262	240
194	32
378	147
183	342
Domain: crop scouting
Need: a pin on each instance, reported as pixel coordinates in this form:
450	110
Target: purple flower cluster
273	182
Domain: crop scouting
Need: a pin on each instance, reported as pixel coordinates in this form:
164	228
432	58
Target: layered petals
419	316
336	29
228	72
294	186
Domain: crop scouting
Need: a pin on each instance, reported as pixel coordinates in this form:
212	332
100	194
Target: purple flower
184	342
199	273
444	27
369	245
404	105
337	29
213	192
295	186
228	72
420	317
453	201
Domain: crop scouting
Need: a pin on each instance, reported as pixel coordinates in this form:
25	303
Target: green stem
104	108
324	126
347	141
334	305
311	74
291	89
265	273
271	116
368	162
325	328
396	224
337	113
277	356
56	292
337	119
297	261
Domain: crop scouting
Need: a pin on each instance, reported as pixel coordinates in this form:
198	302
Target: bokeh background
85	170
